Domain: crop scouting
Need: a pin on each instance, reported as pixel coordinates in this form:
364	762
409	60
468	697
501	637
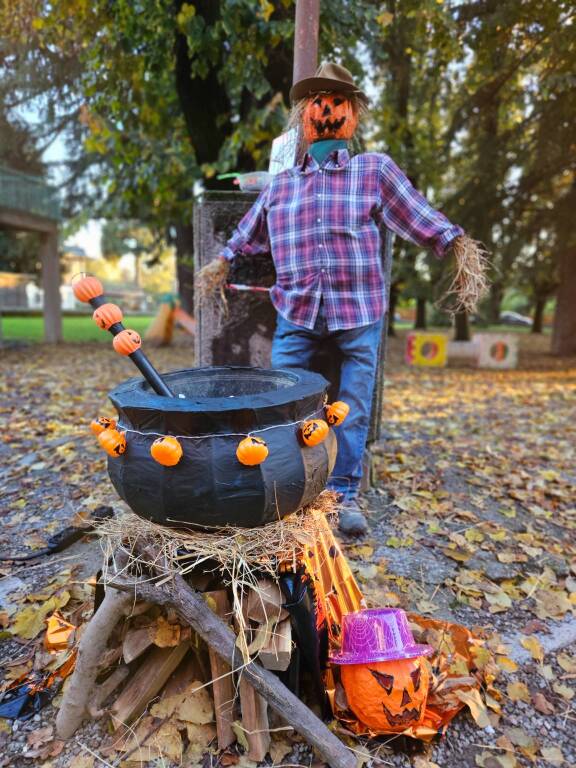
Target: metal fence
31	194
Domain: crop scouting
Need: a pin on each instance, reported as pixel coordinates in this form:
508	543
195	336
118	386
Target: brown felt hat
328	77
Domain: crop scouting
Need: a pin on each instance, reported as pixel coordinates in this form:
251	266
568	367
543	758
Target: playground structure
28	204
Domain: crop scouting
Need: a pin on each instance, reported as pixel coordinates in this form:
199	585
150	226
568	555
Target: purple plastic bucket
380	634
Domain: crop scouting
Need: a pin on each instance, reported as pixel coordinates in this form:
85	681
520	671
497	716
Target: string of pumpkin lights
166	449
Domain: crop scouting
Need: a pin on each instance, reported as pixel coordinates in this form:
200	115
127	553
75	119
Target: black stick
138	357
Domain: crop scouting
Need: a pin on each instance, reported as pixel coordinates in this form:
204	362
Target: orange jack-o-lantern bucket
387	696
383	671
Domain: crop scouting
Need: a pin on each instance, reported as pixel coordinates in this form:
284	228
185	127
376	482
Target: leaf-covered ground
473	519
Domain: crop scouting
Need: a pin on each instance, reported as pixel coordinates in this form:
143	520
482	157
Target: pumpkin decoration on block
251	451
166	451
107	315
314	431
329	116
113	442
384	673
126	342
337	412
100	424
87	288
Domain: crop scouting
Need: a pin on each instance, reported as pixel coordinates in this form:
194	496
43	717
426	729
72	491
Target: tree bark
564	332
538	318
82	689
195	612
495	302
461	327
420	314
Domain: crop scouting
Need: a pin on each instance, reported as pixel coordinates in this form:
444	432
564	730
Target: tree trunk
420	314
184	242
564	332
461	327
538	319
494	302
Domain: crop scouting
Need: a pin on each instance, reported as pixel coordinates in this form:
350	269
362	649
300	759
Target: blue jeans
294	347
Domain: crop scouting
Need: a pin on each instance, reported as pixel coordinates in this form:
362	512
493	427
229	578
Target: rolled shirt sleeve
407	212
251	234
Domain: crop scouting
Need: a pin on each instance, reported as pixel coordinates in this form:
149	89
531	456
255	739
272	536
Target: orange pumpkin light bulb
329	116
107	315
87	288
314	431
337	412
166	451
113	442
126	342
387	696
103	422
251	451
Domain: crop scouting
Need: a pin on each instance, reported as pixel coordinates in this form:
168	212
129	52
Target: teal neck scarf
321	149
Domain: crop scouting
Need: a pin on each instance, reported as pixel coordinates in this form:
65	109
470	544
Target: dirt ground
472	518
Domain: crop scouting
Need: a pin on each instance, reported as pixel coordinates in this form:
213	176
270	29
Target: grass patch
74	329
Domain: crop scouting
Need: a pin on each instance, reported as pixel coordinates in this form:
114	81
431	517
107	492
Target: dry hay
239	556
470	283
210	282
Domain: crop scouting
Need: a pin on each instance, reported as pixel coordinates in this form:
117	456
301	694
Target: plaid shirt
321	225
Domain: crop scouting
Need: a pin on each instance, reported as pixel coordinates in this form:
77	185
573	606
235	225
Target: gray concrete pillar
51	286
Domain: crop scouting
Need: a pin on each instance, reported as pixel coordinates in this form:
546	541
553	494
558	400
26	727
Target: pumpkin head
107	315
314	431
251	451
166	451
387	696
100	424
337	412
126	342
87	288
329	116
113	442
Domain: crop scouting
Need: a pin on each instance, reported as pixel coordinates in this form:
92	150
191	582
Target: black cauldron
218	407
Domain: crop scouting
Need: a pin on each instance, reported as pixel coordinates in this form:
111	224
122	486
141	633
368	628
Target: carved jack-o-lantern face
387	696
329	116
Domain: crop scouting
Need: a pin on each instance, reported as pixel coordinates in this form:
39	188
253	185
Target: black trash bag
311	640
24	701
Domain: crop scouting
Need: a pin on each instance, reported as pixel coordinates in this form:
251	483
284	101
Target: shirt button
321	245
319	221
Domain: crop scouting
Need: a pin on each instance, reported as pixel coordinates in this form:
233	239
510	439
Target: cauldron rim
134	393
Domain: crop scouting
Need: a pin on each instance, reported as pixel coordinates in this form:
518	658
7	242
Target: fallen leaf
166	635
474	702
541	703
564	690
552	755
518	692
567	662
533	645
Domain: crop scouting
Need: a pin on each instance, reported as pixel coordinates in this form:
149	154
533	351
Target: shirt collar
336	161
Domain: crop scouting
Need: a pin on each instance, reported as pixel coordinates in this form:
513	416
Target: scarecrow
321	222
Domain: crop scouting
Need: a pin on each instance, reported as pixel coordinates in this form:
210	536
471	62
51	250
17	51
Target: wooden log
106	689
265	602
223	681
275	653
82	686
193	609
254	720
136	642
146	683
